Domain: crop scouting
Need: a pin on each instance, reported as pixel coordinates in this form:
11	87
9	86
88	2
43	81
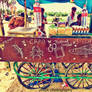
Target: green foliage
58	14
52	26
49	19
64	14
45	14
89	15
78	12
20	11
51	13
8	11
62	20
1	10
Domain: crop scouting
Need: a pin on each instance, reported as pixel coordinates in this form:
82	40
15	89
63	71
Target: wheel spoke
38	70
45	74
83	83
41	82
45	70
75	82
27	80
76	70
26	69
38	83
82	69
81	72
86	82
72	80
80	82
90	80
41	68
72	73
32	81
24	72
45	80
32	68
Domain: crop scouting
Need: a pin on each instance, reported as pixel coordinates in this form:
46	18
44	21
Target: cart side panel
45	49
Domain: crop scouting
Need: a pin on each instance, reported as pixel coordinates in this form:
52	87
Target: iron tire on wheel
66	65
37	70
79	83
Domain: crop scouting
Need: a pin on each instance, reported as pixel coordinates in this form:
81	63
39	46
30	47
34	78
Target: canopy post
91	22
2	33
25	15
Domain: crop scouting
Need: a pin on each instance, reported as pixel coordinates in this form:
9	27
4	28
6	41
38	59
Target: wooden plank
45	49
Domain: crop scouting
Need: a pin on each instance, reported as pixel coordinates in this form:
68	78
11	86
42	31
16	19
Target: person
78	22
16	21
55	21
7	17
72	17
44	21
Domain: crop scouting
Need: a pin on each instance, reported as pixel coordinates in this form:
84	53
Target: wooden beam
25	14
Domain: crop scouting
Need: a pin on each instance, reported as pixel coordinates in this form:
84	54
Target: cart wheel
35	70
90	66
66	65
83	72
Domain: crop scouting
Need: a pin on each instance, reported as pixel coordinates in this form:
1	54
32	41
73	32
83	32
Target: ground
10	83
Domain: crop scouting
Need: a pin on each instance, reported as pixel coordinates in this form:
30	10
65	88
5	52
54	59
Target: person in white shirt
72	17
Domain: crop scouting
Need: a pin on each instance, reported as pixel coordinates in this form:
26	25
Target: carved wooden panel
45	49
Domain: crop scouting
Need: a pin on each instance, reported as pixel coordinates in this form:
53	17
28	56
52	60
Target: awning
80	3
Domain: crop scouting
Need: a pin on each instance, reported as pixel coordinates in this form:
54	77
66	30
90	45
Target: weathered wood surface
45	49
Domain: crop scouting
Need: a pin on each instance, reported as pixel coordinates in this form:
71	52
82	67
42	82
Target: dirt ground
10	83
56	86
